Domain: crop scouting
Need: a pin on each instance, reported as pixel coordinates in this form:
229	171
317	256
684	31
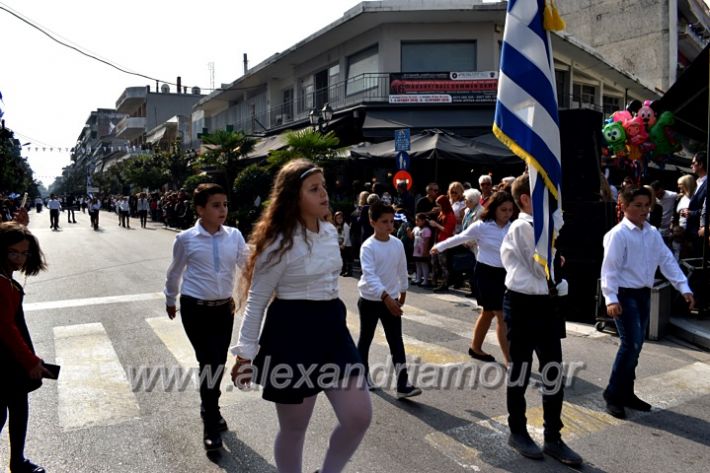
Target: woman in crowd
680	244
445	225
296	258
488	233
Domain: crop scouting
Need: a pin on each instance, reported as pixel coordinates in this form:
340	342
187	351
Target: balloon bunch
635	137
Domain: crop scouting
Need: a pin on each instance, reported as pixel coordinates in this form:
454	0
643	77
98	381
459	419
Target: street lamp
320	118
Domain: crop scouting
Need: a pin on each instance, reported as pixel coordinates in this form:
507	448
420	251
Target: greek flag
526	119
2	112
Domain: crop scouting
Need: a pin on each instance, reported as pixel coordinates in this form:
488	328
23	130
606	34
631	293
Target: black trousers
70	214
210	332
534	326
143	215
94	215
18	408
54	218
370	313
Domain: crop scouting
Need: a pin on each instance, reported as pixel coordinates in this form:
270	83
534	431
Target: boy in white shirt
633	250
383	290
533	325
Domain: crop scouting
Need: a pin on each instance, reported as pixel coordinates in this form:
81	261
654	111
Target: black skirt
490	286
305	348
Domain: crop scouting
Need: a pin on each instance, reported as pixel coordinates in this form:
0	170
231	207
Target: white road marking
93	388
172	334
67	303
582	416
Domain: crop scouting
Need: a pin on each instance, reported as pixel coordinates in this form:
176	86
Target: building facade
653	39
393	64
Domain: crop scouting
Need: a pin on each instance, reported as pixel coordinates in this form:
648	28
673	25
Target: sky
49	90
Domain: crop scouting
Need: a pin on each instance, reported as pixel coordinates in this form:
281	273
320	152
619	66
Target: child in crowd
383	290
346	247
22	369
445	225
422	242
633	251
208	254
533	326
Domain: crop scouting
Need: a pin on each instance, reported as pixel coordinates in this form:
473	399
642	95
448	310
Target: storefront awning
379	123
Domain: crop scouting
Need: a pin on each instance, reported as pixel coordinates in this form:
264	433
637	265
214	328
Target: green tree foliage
307	143
226	149
15	171
145	171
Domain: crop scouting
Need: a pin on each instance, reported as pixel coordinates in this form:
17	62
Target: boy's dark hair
520	187
629	194
378	209
656	186
204	191
497	199
422	216
12	233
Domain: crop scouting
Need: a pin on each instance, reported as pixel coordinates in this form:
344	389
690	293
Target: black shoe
217	424
525	446
408	391
633	402
484	357
560	451
212	440
613	407
26	467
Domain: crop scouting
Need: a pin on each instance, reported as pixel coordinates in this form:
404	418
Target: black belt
214	303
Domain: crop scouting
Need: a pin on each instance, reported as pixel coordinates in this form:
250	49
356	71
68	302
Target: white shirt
523	273
631	257
487	234
309	270
142	204
209	263
124	206
683	203
384	269
95	206
54	204
668	204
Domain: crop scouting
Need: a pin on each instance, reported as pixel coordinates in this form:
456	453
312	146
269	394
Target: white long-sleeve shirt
54	204
309	270
384	269
631	257
142	204
209	263
487	234
523	273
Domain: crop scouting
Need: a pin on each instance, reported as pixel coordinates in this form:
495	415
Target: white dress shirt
384	269
487	234
209	262
683	203
631	257
54	204
142	204
523	273
309	270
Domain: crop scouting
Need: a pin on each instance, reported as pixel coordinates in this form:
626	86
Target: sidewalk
695	331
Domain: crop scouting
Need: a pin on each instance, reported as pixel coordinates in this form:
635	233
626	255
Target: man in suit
695	207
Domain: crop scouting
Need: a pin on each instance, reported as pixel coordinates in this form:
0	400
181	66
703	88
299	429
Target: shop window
439	56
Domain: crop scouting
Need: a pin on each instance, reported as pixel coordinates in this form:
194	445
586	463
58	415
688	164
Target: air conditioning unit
279	119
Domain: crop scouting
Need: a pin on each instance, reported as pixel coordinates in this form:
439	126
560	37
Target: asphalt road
98	311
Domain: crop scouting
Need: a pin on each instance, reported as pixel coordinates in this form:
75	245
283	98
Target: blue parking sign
401	139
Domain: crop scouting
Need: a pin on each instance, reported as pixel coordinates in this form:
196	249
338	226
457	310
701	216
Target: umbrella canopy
438	144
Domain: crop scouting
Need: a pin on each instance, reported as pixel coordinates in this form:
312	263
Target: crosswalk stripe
583	416
93	388
88	301
172	334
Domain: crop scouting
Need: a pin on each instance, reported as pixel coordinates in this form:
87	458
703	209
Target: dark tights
17	406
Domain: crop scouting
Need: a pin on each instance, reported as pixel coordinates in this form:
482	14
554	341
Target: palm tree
226	149
307	143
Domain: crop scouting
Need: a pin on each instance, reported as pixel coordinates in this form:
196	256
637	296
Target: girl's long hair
12	233
280	219
497	199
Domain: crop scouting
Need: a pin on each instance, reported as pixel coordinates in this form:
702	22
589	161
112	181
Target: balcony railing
371	87
130	127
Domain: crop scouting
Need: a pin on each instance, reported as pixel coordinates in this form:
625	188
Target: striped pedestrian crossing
94	389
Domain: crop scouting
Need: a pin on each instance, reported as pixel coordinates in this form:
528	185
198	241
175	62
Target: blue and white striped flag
526	119
2	111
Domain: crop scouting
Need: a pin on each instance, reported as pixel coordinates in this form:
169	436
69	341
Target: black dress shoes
212	440
613	407
525	445
633	402
560	451
26	467
483	357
